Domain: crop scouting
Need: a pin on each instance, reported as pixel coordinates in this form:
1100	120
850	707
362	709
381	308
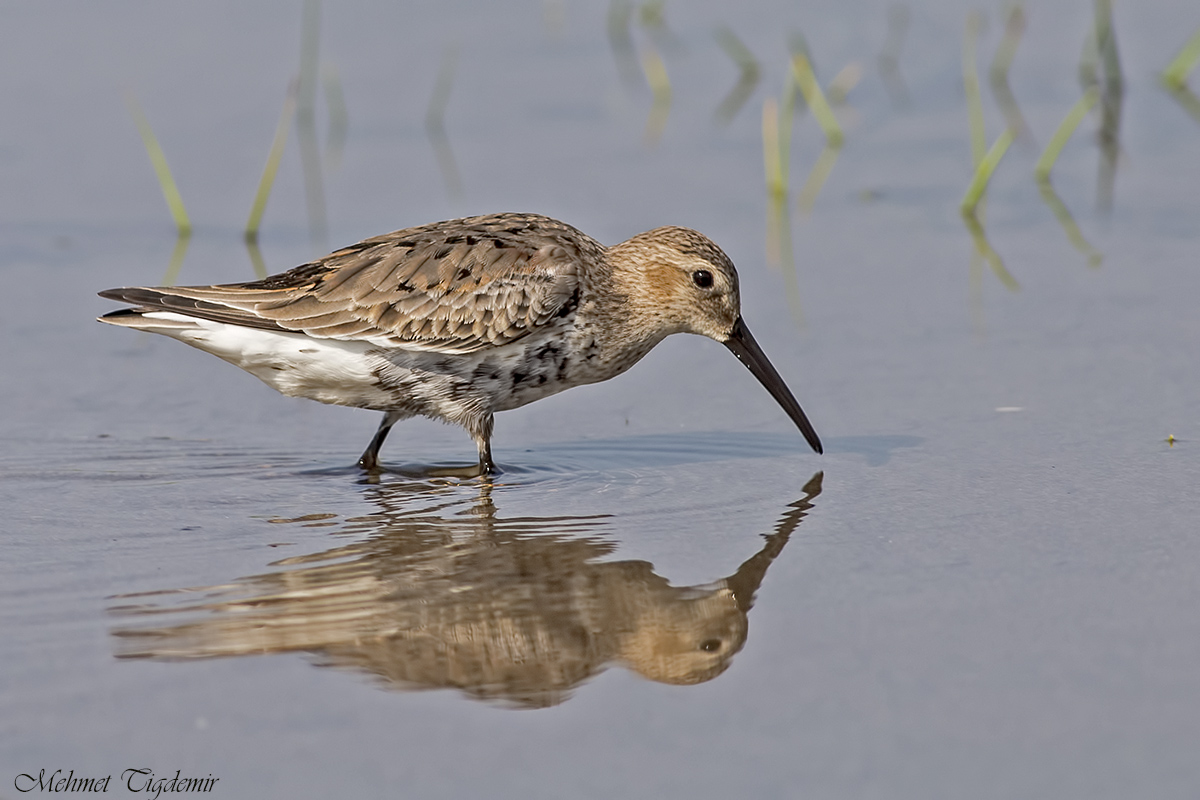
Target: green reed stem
798	46
1176	73
1006	51
1106	42
1089	61
807	81
339	118
983	173
772	152
971	87
165	181
660	87
306	125
787	116
1070	122
1001	65
274	155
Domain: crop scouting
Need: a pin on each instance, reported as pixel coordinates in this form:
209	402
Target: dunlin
458	320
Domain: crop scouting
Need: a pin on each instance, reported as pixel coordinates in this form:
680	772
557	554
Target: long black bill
749	353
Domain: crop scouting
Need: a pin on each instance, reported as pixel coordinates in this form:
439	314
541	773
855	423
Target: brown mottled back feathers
454	287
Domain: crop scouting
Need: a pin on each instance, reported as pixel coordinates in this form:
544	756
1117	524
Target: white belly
327	370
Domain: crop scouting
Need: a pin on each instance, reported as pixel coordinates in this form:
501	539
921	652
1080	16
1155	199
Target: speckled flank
460	319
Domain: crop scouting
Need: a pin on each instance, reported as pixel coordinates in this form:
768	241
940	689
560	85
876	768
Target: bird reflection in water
517	611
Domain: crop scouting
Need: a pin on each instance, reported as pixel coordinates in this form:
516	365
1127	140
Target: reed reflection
443	593
1014	27
306	127
1101	68
1186	100
620	40
435	124
749	74
898	17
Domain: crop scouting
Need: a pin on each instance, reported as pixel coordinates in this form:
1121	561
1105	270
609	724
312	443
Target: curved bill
749	353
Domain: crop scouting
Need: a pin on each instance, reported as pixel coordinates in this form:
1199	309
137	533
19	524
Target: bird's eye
710	645
702	278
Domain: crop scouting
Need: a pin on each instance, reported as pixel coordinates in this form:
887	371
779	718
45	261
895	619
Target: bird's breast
505	377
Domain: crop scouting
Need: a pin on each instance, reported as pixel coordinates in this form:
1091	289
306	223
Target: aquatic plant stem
998	73
983	173
772	151
888	60
1176	74
274	156
971	88
435	123
306	125
335	103
660	87
749	74
803	73
1070	122
159	161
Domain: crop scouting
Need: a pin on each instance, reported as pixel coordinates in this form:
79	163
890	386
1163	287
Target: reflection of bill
515	610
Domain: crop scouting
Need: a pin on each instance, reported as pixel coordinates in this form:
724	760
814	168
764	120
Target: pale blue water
994	594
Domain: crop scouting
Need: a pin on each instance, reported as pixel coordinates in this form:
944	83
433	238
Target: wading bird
460	319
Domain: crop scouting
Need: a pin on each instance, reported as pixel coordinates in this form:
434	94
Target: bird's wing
453	287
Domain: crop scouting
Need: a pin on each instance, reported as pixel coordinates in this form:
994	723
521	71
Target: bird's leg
486	465
483	440
370	457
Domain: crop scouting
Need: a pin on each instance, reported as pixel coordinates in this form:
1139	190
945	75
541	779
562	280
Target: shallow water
987	586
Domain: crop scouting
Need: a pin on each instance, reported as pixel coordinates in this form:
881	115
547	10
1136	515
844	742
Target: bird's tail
148	319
